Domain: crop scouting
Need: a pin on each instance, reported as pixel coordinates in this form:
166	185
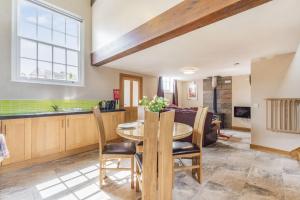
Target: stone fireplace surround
224	97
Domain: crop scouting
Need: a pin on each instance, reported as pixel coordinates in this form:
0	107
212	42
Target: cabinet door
48	136
14	132
80	131
111	120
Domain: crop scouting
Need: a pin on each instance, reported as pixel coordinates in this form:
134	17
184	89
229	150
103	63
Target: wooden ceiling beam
178	20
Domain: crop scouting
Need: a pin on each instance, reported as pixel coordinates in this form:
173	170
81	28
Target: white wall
241	96
275	77
186	103
99	82
114	18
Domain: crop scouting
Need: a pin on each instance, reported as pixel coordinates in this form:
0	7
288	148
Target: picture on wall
192	91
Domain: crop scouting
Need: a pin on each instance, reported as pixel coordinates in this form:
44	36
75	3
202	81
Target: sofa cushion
188	115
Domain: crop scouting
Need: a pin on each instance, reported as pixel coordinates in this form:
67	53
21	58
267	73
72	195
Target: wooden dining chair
113	151
154	165
193	150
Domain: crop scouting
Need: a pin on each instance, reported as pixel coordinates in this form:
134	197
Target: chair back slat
199	126
100	128
165	155
149	175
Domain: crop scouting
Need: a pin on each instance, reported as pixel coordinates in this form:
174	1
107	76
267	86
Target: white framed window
47	44
168	84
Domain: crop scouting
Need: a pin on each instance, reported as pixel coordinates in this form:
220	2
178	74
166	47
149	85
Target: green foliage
55	107
155	105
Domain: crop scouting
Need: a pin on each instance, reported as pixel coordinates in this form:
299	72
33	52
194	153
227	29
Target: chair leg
132	172
100	173
199	170
194	171
173	174
104	170
137	184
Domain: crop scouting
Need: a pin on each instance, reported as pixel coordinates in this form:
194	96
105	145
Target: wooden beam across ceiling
178	20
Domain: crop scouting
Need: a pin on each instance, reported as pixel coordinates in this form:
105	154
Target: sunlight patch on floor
53	190
70	180
76	181
58	187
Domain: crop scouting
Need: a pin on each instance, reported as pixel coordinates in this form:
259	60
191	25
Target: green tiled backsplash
29	106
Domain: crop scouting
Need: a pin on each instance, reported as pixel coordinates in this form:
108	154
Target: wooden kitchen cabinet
47	135
80	131
16	132
40	139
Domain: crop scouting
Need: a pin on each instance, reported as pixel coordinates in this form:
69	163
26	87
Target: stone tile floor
231	171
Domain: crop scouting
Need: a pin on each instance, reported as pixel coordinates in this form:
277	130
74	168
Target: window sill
42	82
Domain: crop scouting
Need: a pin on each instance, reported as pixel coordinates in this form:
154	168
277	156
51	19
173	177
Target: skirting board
31	162
241	129
270	150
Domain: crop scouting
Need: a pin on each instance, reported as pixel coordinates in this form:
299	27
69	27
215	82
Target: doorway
131	90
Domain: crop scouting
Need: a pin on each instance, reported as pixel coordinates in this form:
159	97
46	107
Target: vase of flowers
157	104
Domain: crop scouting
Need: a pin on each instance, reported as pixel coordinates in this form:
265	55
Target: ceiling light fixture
189	70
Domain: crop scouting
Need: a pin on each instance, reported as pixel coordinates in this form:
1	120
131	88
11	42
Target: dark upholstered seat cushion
139	159
184	148
140	143
126	148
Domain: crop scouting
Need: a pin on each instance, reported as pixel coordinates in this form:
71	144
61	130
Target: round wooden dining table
135	131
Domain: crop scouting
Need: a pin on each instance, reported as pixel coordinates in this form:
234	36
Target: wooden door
131	88
79	131
14	132
48	136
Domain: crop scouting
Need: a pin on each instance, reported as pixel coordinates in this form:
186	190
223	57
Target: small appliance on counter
107	105
110	105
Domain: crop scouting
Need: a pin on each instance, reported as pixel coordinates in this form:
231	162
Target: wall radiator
283	115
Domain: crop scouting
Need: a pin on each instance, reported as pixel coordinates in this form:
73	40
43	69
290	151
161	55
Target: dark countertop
47	114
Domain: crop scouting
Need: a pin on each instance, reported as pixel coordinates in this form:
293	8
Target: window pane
59	72
135	93
59	55
72	27
166	83
58	38
45	18
28	12
59	23
126	93
44	34
28	68
28	49
72	73
72	42
72	58
49	43
45	70
28	30
45	52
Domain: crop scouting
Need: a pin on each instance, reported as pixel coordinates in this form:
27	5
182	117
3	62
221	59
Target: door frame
124	76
